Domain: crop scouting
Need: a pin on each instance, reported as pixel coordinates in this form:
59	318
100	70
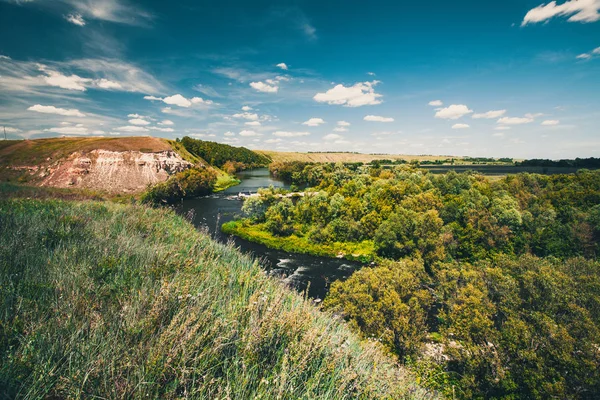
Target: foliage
192	182
489	288
578	163
101	300
220	155
513	328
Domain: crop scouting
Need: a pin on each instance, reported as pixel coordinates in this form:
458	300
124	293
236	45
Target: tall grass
101	300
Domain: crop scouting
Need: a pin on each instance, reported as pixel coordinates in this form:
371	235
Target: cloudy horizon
460	79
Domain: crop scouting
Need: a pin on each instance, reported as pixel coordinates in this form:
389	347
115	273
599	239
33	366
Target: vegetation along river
298	270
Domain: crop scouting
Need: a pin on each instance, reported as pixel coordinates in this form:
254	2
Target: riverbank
363	252
143	305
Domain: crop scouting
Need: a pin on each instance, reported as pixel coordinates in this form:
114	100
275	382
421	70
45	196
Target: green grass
225	181
363	251
102	300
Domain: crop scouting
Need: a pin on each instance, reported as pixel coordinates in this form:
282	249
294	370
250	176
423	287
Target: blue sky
515	78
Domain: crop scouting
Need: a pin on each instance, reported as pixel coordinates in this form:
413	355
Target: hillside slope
111	165
109	301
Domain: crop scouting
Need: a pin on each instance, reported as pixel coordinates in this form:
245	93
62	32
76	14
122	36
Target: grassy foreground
101	300
257	233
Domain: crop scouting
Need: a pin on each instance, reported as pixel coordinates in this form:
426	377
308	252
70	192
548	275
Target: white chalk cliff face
114	171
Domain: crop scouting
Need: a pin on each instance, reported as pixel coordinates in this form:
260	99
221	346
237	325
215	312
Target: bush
190	183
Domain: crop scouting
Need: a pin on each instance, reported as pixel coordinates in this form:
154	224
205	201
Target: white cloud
290	134
357	95
131	128
68	130
54	110
340	129
534	116
229	134
331	137
264	87
578	10
76	19
283	66
490	114
460	126
107	84
139	121
249	133
591	54
502	128
343	123
166	122
314	122
455	111
72	82
246	115
377	118
551	122
179	100
246	108
156	128
252	123
515	120
436	103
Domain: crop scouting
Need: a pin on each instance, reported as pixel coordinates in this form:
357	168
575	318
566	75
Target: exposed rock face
114	171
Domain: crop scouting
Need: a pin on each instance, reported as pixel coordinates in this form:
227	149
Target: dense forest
578	162
490	289
229	158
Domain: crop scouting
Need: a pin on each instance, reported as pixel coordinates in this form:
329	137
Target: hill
332	157
117	165
110	301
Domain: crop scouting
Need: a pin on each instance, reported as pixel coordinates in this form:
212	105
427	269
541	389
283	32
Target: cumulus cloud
229	134
436	103
551	122
377	118
179	100
166	122
314	122
455	111
490	114
157	128
252	123
515	120
72	82
132	129
502	128
576	10
55	110
107	84
283	66
76	19
332	136
264	87
138	121
340	129
357	95
343	123
246	108
290	134
273	140
246	115
460	126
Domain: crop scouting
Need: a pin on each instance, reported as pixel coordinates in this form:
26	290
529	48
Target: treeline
220	155
592	162
461	293
193	182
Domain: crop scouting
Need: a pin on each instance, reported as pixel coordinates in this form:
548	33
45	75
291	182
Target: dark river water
298	270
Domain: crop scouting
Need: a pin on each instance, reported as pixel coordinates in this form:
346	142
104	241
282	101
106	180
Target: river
300	271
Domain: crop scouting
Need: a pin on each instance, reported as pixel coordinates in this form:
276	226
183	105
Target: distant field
499	170
343	157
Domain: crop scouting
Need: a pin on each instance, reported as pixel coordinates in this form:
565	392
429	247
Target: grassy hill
101	300
284	156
